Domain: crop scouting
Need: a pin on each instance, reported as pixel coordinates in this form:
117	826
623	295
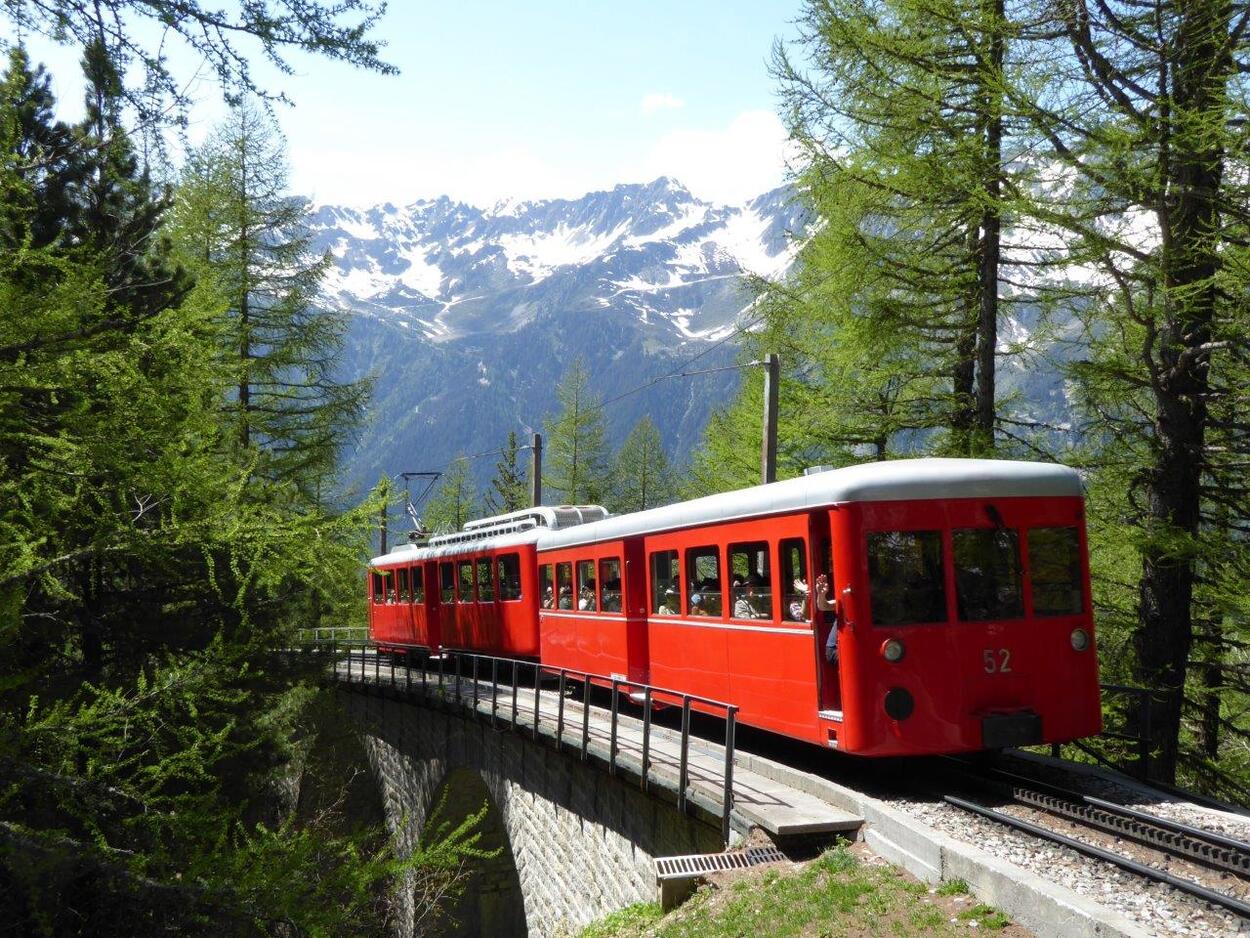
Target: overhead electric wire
679	372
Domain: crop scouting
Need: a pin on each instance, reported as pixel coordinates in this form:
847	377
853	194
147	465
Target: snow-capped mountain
467	317
449	270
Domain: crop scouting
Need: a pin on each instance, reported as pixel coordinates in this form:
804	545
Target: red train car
962	616
470	591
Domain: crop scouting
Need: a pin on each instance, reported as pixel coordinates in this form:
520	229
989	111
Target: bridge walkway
783	812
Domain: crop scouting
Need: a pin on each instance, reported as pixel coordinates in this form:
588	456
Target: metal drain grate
699	863
678	876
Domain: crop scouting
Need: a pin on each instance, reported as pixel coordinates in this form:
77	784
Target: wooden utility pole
536	471
382	528
768	447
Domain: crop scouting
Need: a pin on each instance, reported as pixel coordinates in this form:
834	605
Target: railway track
1210	849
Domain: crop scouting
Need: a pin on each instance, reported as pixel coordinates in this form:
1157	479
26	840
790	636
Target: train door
447	601
635	608
425	604
828	679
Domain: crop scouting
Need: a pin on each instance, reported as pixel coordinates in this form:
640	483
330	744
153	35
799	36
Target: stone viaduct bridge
578	821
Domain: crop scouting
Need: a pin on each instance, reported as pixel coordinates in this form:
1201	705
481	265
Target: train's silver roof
409	553
896	480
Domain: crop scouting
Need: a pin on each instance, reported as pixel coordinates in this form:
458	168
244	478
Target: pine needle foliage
508	490
152	572
242	233
577	456
641	475
454	502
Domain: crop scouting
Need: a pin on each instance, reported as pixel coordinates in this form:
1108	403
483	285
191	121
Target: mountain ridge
467	317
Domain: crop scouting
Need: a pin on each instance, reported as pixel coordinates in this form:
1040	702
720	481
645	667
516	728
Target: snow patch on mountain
651	251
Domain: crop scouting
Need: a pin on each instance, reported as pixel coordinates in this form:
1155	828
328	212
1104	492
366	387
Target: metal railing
469	679
329	634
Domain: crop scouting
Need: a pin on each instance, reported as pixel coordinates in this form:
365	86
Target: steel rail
1173	837
1196	890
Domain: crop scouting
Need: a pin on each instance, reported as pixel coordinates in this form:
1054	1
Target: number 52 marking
996	661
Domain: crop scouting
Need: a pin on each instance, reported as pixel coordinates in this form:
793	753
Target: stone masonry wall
583	841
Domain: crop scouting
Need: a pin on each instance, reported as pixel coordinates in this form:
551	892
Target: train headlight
892	650
899	703
1079	639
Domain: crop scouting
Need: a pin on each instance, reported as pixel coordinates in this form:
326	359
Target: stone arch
583	842
492	902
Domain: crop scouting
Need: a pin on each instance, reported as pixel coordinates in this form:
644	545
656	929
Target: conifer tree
641	475
44	156
576	466
252	242
1151	195
143	32
144	587
508	491
901	116
454	501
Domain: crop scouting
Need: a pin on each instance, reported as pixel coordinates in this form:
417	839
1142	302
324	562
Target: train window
417	576
587	592
665	578
379	590
703	597
1055	568
388	582
987	574
447	582
906	578
403	585
464	581
751	581
610	584
485	584
795	605
564	586
545	585
510	576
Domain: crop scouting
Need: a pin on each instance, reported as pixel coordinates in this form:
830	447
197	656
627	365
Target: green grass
833	896
630	922
986	916
953	887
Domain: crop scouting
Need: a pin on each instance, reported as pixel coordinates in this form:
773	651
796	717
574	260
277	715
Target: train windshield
906	578
987	574
1055	566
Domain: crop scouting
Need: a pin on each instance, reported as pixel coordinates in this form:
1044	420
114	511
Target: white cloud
367	176
660	101
731	164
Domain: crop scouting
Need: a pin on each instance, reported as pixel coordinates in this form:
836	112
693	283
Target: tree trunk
1190	222
991	233
963	385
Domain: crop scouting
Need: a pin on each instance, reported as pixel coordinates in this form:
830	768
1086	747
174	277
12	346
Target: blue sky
508	100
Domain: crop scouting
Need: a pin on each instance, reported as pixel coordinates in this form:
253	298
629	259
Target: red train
962	602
